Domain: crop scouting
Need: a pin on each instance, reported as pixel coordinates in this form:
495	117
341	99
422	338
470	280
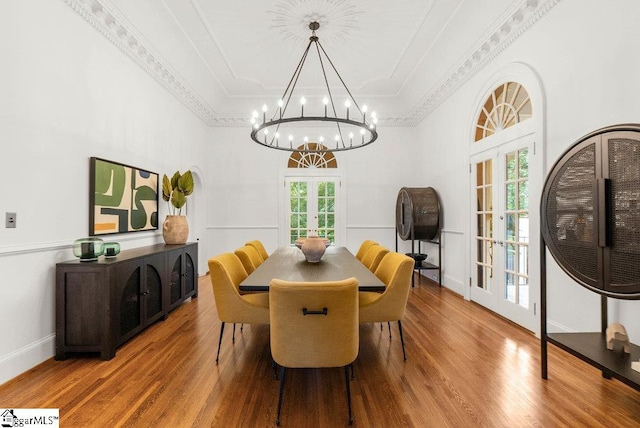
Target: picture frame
122	198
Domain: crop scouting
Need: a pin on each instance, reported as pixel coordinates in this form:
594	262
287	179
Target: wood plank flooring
465	367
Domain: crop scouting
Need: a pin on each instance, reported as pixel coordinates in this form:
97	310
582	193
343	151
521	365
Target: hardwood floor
465	367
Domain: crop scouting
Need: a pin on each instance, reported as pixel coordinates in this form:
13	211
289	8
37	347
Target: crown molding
105	18
520	18
109	22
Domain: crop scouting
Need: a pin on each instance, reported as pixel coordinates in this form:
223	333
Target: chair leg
233	335
404	354
389	327
220	342
346	376
353	376
283	371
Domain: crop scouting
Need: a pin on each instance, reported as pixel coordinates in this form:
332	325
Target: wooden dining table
289	264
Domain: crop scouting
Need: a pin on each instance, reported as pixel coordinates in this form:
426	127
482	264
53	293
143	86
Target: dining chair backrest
395	270
314	324
261	250
226	272
363	248
373	256
249	257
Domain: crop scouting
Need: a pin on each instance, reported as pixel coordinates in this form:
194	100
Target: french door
312	208
500	231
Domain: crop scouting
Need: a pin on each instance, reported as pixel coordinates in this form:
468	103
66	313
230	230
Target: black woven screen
154	287
129	304
176	283
624	172
190	274
569	215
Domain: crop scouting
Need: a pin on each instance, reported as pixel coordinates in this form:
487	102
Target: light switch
10	221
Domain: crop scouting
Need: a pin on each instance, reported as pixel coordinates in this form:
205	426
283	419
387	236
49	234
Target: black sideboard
102	304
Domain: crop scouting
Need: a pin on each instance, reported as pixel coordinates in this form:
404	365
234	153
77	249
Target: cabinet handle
603	202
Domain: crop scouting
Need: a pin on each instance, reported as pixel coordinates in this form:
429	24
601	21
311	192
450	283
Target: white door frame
527	77
495	300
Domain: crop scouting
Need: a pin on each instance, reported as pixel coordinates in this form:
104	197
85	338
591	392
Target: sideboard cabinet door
182	277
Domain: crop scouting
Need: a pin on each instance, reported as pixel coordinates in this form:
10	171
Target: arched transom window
507	105
312	159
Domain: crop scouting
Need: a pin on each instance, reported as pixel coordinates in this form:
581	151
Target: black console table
102	304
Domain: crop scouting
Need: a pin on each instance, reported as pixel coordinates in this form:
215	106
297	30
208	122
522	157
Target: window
312	159
507	105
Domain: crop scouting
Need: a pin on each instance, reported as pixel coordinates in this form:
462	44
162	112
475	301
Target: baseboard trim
27	357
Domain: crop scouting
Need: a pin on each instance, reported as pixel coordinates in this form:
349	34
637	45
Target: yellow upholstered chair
373	256
314	325
363	248
249	257
395	270
226	272
261	250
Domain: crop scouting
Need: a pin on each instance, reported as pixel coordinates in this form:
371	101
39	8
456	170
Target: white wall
245	180
68	94
584	55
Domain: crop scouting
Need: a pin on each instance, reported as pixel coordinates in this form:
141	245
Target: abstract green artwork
122	198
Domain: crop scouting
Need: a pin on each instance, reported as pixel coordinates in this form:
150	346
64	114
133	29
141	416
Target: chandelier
322	129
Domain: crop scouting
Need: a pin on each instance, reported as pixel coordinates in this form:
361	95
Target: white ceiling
221	57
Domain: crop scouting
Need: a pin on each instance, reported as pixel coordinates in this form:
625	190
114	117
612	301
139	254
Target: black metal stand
424	265
590	347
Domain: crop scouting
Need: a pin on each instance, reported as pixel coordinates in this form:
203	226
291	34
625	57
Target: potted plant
175	229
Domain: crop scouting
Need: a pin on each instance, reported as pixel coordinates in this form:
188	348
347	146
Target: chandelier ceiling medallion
322	124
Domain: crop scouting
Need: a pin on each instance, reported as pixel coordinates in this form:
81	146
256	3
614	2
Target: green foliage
176	190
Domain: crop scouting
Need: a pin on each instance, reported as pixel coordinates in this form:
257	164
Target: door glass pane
489	226
510	288
297	213
523	195
488	171
523	163
516	228
510	223
511	166
523	227
484	232
511	196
